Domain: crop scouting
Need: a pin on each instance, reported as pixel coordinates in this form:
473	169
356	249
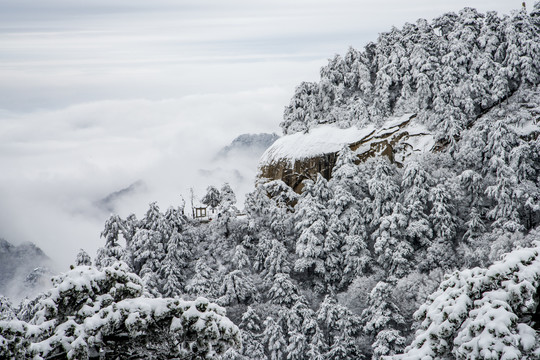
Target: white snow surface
326	139
527	128
318	141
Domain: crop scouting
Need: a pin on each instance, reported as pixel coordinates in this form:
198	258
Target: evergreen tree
441	251
312	219
339	327
387	342
300	317
226	210
332	247
112	251
382	321
394	252
276	260
176	220
258	206
240	258
252	348
175	265
416	183
482	313
357	258
155	220
93	312
251	321
283	291
131	225
147	250
251	328
317	347
7	312
472	183
383	190
203	282
505	212
237	288
212	197
227	194
274	340
83	258
296	350
475	226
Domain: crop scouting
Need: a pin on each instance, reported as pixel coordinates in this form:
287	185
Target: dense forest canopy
338	271
449	71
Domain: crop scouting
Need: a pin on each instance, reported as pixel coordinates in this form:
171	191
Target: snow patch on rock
326	139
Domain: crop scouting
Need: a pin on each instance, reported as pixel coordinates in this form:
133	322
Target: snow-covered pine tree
7	312
296	350
442	249
212	197
383	322
251	321
383	189
175	265
155	220
240	258
251	328
147	250
416	183
276	260
283	291
483	313
226	211
312	224
280	217
503	193
83	258
237	288
203	282
175	219
393	250
227	194
112	251
101	313
273	339
340	328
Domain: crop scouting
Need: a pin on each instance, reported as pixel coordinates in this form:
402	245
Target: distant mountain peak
108	202
248	142
17	263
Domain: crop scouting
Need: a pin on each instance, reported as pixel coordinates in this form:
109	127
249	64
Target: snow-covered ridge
326	139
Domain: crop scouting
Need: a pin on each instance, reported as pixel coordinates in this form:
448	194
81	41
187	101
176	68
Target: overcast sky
96	95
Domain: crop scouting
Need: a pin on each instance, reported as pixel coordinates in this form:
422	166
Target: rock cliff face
294	158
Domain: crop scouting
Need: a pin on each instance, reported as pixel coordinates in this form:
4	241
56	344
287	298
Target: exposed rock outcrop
294	158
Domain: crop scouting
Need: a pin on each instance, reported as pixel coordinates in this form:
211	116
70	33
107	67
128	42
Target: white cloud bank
61	162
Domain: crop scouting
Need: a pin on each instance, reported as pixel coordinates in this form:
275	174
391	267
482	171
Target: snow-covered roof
326	139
